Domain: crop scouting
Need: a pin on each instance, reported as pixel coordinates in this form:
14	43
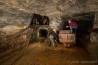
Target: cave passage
43	33
85	23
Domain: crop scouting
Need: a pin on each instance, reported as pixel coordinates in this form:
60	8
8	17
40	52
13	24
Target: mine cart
67	38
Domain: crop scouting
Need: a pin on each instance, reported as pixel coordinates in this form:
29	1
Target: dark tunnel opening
43	33
85	22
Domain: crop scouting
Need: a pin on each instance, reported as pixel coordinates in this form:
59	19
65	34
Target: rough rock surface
14	40
20	11
12	29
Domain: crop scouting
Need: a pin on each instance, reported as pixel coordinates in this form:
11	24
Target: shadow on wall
37	19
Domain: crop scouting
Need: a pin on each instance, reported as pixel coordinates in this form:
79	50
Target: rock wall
93	46
96	21
12	42
91	40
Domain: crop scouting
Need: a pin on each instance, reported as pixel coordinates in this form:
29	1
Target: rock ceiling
20	11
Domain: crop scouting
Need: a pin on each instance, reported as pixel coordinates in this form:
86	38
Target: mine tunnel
85	23
38	32
43	32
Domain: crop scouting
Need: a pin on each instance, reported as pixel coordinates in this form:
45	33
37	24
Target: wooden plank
65	31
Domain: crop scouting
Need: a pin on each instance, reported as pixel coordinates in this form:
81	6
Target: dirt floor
41	54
